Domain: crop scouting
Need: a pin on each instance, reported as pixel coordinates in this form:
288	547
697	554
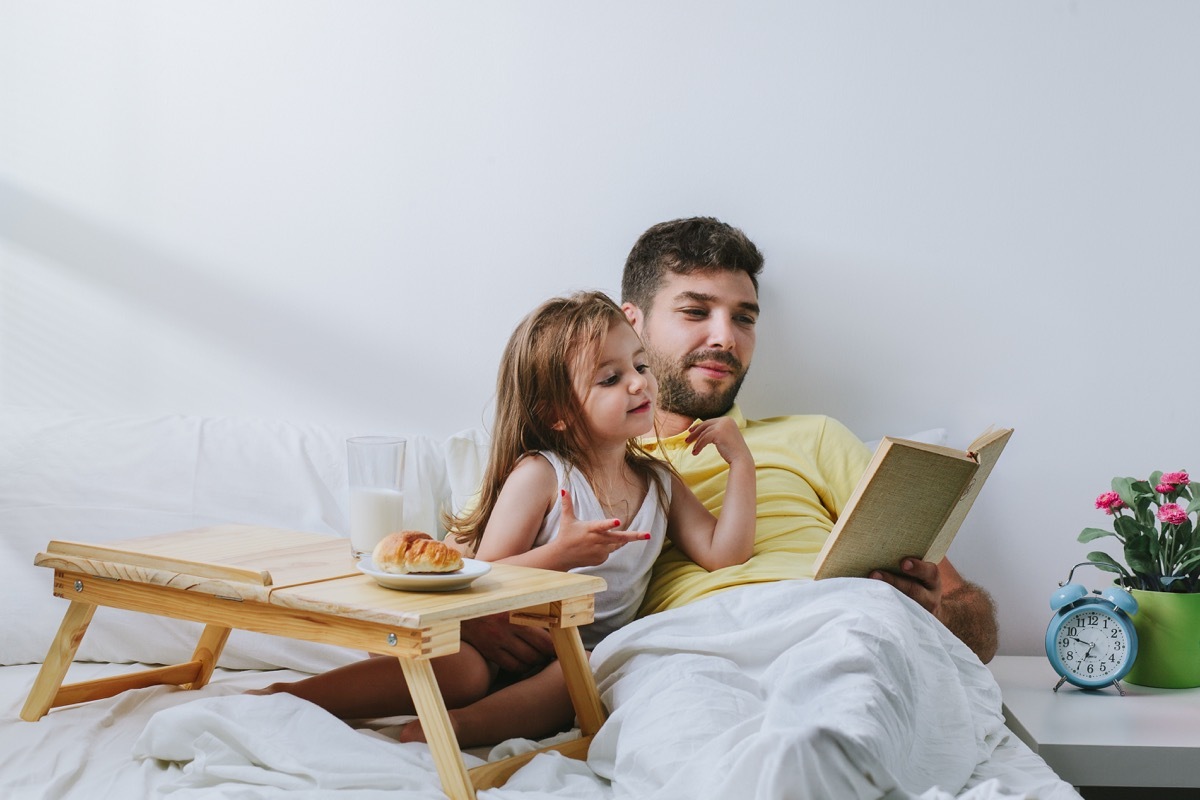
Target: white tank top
627	571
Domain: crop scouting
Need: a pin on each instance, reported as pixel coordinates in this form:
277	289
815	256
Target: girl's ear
559	426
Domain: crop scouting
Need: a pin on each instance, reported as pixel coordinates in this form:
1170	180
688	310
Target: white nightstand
1148	738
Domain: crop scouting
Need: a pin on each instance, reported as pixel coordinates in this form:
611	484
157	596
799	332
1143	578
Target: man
690	288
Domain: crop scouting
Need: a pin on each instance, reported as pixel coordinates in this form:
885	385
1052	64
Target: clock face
1092	646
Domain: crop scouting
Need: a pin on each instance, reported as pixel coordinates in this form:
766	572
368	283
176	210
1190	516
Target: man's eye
697	313
743	319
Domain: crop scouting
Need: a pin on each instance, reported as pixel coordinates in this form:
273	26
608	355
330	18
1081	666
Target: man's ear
634	315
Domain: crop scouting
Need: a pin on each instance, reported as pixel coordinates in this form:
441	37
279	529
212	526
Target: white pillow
75	476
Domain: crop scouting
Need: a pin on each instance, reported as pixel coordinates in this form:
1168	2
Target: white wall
972	213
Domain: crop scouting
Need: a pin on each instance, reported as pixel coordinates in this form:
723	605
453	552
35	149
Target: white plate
426	581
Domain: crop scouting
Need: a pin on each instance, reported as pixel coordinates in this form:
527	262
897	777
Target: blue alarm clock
1091	641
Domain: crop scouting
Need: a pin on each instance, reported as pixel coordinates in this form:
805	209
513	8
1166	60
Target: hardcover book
911	501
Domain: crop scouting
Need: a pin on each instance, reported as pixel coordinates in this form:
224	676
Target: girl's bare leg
534	708
375	687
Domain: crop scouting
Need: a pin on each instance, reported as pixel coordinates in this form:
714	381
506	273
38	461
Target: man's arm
963	607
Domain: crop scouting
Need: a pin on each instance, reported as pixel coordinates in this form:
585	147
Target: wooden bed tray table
306	586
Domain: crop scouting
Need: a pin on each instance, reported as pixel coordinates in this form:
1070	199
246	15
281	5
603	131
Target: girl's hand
723	433
590	543
710	542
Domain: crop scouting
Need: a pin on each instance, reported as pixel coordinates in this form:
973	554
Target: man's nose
720	333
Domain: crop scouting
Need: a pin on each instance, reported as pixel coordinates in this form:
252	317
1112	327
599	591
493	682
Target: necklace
618	502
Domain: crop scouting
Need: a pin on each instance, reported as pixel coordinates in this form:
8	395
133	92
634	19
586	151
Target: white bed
794	689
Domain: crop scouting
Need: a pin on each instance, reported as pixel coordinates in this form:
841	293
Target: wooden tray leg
58	660
431	709
208	651
562	619
581	683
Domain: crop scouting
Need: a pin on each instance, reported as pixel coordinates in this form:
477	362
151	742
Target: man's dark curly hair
685	246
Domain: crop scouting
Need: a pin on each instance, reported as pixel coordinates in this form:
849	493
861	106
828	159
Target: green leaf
1193	506
1104	561
1088	534
1128	527
1140	557
1155	477
1124	489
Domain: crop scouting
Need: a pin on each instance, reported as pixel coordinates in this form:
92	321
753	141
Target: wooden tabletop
305	571
245	561
504	588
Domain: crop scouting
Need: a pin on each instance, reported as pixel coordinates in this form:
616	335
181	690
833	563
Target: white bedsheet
774	691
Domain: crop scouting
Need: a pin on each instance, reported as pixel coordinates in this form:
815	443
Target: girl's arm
524	501
711	542
522	504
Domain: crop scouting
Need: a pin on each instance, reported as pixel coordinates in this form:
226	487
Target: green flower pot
1168	628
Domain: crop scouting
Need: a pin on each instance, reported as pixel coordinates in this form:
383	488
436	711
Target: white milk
374	513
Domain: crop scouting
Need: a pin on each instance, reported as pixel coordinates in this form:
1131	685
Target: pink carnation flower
1164	488
1172	514
1174	479
1110	502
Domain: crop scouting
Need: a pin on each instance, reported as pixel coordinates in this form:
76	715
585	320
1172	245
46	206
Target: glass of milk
376	467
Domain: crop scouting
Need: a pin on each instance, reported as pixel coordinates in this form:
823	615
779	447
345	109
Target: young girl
566	488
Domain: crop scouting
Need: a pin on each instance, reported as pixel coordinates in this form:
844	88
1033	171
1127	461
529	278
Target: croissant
415	551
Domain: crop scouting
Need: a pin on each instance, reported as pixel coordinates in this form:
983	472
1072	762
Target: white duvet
837	689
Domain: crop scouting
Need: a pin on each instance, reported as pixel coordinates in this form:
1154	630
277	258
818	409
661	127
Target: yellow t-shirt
806	468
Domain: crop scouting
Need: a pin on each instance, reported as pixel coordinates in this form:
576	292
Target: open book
910	502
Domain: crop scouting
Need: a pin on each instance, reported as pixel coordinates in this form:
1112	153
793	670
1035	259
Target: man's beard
677	395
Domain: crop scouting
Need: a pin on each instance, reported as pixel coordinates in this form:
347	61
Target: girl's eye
643	368
611	380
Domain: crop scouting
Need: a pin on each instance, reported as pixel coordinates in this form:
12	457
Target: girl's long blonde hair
535	393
